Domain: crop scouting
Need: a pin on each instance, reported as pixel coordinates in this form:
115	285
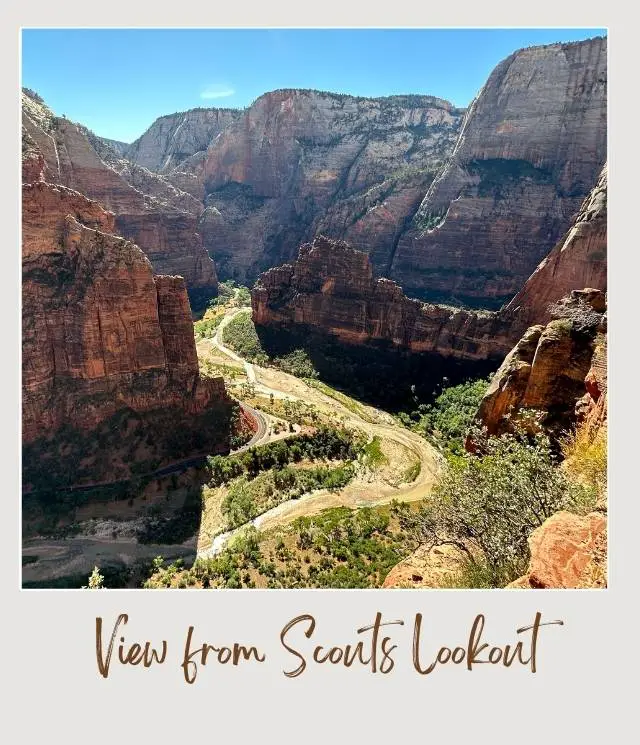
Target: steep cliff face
530	149
163	228
331	287
172	139
100	332
552	369
578	260
297	162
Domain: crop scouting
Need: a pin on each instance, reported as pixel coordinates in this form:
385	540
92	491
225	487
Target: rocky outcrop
567	552
530	149
163	228
101	334
331	287
172	139
297	162
426	568
551	370
578	260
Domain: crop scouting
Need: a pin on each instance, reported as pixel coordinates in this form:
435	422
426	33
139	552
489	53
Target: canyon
428	243
530	149
456	205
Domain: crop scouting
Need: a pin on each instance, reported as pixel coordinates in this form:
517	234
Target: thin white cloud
217	90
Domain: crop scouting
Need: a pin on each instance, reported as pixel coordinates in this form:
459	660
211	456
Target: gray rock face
119	148
173	138
531	147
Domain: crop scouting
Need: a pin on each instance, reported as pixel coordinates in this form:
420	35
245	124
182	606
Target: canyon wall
331	287
578	260
165	228
298	162
530	149
100	332
173	138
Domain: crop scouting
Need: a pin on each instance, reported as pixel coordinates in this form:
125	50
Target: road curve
297	390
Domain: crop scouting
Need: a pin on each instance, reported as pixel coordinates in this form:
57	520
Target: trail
359	493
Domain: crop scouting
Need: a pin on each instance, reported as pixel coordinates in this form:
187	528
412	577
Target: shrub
488	505
446	422
586	459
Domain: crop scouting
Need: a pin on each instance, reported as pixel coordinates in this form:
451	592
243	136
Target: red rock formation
578	260
546	371
531	147
331	287
100	332
567	551
166	233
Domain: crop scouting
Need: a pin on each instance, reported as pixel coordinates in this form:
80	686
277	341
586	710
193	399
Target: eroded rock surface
567	552
100	332
530	149
578	260
546	372
165	226
298	162
331	287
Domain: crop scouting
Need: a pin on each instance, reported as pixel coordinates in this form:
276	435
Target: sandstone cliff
557	371
578	260
96	320
166	228
297	162
101	334
331	287
172	139
530	149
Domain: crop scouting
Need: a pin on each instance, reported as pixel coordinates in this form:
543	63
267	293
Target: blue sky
117	81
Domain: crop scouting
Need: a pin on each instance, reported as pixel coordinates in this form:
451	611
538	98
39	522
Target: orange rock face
567	551
557	371
100	332
331	287
578	260
167	231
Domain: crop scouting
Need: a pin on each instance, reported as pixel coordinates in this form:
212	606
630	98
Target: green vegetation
324	444
445	422
230	293
206	328
339	548
240	335
177	527
373	455
296	363
247	499
424	221
585	456
487	505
